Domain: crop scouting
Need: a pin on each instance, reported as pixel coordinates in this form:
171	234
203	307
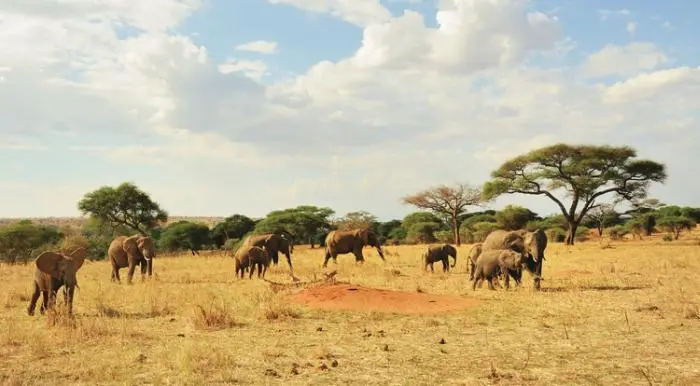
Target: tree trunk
455	229
571	233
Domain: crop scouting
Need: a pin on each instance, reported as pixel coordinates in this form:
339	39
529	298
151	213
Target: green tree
304	222
448	202
418	217
676	224
423	232
233	227
24	240
123	206
183	236
514	217
584	173
355	220
386	228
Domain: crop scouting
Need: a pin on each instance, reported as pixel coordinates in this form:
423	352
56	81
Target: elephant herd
503	253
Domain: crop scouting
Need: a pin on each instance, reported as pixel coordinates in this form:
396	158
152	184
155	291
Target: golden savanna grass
622	315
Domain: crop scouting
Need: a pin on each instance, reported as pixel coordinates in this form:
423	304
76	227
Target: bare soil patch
357	298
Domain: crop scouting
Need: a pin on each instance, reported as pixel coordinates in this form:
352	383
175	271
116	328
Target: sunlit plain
609	313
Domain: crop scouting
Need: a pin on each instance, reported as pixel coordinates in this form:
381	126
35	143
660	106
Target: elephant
530	244
536	243
439	253
473	255
350	241
53	271
248	257
130	251
273	245
493	261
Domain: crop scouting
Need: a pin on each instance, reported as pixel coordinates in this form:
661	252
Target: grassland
622	315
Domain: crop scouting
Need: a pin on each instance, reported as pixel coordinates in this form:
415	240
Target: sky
216	107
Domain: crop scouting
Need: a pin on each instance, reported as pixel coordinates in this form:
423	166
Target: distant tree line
583	175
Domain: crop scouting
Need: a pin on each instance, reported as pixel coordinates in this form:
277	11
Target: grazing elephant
53	271
530	244
273	245
493	261
437	253
248	257
130	251
473	255
351	241
536	243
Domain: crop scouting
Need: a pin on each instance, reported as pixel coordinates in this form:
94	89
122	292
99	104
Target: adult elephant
350	241
273	244
130	251
530	244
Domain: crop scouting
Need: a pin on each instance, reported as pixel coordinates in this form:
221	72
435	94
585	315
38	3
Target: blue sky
221	107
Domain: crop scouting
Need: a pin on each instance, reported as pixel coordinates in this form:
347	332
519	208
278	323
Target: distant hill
77	222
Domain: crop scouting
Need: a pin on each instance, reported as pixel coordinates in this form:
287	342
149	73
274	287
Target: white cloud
607	13
631	28
358	12
624	60
412	107
254	69
259	46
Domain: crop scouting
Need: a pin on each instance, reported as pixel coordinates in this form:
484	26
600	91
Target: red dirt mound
356	298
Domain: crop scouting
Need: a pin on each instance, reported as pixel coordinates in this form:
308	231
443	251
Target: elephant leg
130	274
260	268
471	269
445	265
252	268
32	302
44	302
327	257
506	279
538	277
359	258
476	281
115	274
144	267
490	281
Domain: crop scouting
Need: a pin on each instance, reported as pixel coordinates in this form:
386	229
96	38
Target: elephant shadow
593	288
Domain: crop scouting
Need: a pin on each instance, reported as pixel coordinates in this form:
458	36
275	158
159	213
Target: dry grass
624	314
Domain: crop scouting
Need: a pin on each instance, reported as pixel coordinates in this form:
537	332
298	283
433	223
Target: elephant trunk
381	254
149	266
455	263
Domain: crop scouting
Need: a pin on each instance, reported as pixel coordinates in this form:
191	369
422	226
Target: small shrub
215	317
667	238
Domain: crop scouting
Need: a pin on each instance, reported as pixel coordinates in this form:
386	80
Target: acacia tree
601	216
123	206
354	220
448	202
584	174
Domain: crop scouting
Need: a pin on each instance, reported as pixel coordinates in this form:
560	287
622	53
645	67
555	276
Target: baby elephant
248	257
473	256
492	262
53	271
439	253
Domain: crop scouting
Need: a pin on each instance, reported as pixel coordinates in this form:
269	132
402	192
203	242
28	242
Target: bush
556	235
616	232
668	238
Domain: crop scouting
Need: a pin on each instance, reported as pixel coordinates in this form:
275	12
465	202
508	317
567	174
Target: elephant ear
363	234
47	262
130	243
78	257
